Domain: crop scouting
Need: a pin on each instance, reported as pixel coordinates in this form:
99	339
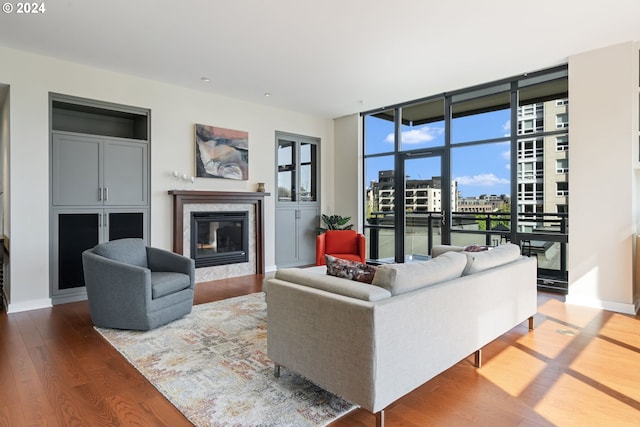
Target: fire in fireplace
219	238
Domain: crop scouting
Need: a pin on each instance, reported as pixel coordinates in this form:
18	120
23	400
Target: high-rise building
543	161
421	195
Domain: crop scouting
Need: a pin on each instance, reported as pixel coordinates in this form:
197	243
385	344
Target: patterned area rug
213	366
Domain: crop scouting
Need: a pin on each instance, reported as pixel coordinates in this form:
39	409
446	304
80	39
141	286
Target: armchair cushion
165	283
129	251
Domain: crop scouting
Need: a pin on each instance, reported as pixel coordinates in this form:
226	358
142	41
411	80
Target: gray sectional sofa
373	343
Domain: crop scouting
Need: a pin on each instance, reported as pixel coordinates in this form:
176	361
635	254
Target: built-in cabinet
297	200
114	171
99	184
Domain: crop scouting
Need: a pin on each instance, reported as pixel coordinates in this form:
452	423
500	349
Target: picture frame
221	153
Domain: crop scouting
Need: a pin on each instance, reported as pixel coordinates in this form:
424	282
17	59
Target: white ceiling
322	57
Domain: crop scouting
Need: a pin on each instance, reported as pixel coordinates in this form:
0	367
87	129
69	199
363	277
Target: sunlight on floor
621	374
590	360
572	402
574	315
616	325
506	370
550	338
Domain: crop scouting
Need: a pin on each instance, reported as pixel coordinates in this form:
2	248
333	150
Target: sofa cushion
402	278
341	242
315	278
440	249
129	251
480	261
349	269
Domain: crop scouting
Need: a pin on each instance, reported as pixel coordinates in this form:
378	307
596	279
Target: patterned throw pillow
475	248
352	270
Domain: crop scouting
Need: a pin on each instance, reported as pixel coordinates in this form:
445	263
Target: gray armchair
132	286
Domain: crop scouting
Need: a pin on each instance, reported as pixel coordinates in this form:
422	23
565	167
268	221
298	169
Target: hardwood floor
579	367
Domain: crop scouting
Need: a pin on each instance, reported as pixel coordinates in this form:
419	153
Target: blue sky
482	169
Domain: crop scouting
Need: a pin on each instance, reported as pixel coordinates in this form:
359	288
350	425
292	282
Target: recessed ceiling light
267	94
205	79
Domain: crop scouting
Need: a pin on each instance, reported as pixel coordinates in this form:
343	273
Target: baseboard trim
29	305
618	307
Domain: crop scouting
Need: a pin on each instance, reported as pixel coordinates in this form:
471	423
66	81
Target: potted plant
334	222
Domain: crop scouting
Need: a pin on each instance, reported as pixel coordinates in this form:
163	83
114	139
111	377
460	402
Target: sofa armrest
163	260
326	337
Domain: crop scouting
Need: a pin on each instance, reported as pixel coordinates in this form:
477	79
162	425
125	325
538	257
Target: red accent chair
344	244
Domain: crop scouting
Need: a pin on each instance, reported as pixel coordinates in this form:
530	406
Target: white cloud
487	179
418	136
507	128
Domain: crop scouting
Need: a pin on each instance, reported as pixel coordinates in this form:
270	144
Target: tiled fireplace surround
185	202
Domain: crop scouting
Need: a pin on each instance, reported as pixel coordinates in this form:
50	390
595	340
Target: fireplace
187	202
219	238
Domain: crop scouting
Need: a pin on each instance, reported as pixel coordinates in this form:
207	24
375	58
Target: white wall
4	170
602	89
174	111
347	167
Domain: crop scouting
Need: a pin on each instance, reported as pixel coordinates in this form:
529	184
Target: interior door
425	204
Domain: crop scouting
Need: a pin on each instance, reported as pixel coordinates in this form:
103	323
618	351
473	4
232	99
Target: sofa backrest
480	261
401	278
317	278
129	251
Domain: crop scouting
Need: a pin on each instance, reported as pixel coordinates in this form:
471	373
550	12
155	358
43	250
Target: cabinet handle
106	193
99	194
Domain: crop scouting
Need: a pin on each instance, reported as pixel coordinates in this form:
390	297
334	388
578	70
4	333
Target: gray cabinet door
296	235
76	170
78	229
125	173
307	223
90	171
286	237
122	223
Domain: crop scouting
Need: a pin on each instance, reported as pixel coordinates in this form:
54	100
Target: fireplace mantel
183	197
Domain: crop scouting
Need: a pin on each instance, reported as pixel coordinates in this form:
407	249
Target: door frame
284	207
400	202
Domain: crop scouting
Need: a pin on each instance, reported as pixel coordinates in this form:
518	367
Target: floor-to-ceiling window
485	165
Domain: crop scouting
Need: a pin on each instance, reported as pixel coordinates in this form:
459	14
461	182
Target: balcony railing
543	235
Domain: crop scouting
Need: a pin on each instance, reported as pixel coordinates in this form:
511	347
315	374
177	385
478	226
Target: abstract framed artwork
221	153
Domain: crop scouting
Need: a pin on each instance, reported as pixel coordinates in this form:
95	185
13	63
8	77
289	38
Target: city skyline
479	169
